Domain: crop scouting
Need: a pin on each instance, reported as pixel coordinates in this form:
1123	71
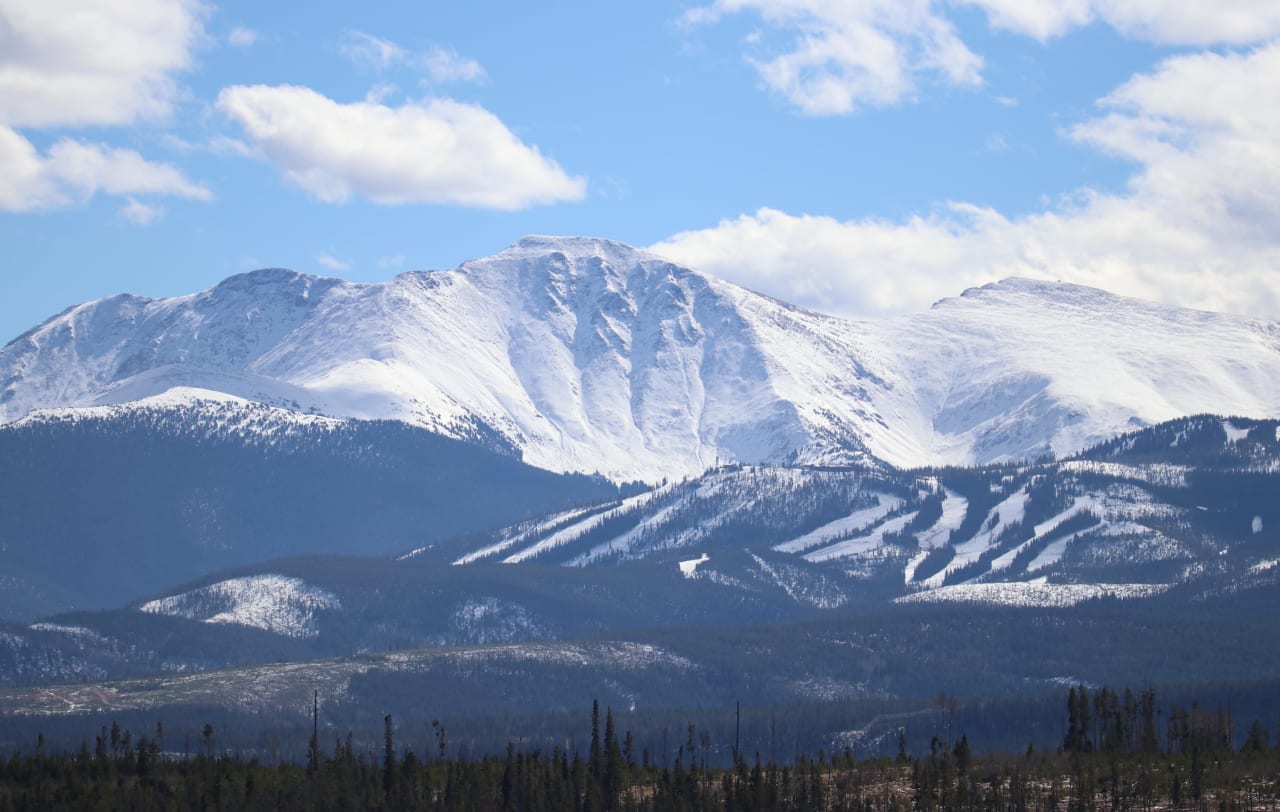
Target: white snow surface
863	544
690	567
589	355
1038	592
280	604
1009	511
1234	433
954	508
854	522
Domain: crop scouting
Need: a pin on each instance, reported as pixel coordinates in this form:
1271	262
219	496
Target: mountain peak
536	245
589	354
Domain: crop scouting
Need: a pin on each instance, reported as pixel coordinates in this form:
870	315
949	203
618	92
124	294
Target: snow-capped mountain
589	355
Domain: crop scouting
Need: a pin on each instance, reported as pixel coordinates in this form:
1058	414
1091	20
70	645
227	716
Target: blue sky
864	157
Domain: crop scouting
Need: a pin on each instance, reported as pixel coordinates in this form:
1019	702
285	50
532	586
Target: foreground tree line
1120	752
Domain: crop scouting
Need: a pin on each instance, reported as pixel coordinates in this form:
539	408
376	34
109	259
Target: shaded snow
1234	433
72	631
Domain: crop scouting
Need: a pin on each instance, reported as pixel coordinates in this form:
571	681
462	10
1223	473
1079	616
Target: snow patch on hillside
1036	593
854	523
954	508
279	604
577	529
1234	433
1007	512
861	545
81	632
690	567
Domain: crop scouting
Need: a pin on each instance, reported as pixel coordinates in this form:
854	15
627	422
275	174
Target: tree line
1122	750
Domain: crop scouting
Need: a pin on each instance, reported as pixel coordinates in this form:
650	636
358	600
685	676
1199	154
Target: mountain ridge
588	355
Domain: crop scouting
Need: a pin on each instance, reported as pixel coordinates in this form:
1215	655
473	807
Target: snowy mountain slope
1022	368
589	355
1169	505
1180	517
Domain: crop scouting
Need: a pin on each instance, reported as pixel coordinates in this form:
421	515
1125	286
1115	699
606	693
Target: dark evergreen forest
1122	749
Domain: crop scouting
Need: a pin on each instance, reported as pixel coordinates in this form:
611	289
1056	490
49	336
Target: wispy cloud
438	65
242	37
139	213
370	51
332	263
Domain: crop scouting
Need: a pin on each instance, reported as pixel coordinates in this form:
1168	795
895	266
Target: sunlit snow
589	355
276	603
689	567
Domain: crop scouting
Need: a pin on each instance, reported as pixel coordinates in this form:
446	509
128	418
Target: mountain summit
590	355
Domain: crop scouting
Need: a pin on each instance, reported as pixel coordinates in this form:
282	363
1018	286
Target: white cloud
391	262
141	214
1041	19
445	65
370	51
1198	225
80	62
440	65
845	56
75	63
437	151
1166	22
332	263
242	37
72	172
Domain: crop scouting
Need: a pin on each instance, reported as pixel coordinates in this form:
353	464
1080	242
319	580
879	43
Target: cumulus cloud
75	63
440	65
1165	22
845	56
71	172
1198	225
436	151
78	62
